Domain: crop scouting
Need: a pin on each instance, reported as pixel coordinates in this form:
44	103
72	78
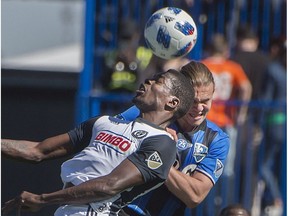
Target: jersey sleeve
130	114
155	157
80	136
213	164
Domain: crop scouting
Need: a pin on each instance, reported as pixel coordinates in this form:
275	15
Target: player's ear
173	103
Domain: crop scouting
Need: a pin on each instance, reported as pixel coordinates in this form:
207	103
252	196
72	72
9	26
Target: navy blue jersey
204	149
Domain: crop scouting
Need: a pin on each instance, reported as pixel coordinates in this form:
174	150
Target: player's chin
137	100
197	120
136	97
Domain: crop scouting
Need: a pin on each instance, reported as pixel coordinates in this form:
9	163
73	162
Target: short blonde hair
198	74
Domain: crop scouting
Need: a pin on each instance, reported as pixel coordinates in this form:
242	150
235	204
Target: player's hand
172	132
25	201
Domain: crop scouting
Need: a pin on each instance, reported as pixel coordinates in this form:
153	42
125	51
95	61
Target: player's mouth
196	116
141	90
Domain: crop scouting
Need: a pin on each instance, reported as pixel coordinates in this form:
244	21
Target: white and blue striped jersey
204	149
106	142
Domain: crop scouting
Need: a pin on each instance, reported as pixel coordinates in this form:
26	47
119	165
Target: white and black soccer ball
170	33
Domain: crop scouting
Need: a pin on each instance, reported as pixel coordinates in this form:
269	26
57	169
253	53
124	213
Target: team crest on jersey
188	170
154	161
200	152
139	134
218	169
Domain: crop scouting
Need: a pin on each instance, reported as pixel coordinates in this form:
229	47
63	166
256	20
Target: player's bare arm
53	147
190	189
122	177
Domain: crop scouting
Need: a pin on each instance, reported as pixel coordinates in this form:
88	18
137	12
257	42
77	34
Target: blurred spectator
274	136
124	65
157	65
130	64
234	210
231	84
253	60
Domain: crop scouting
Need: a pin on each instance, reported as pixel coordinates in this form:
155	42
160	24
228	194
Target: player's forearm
94	190
50	148
90	191
19	149
122	177
102	188
33	202
186	188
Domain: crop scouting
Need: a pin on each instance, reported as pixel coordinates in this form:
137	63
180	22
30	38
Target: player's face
199	109
154	93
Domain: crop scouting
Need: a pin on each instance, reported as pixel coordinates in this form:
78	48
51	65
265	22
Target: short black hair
183	90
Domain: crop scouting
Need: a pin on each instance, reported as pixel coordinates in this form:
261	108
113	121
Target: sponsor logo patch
154	161
139	134
114	140
218	169
182	143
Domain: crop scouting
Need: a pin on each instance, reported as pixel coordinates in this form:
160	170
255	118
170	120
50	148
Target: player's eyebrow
196	100
158	75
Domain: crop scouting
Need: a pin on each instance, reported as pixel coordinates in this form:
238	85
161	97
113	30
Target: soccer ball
170	32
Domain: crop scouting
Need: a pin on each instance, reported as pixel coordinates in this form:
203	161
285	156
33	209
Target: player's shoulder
107	120
213	127
216	138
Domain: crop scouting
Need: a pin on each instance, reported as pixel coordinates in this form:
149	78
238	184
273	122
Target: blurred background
65	61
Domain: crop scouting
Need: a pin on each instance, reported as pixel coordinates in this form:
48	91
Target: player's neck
160	119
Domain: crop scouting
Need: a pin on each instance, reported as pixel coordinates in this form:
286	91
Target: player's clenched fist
25	201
